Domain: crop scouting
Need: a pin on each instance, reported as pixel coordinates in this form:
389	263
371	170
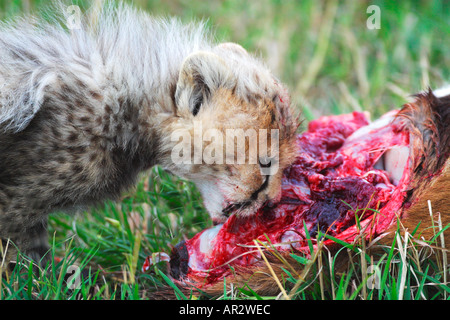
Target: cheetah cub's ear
201	74
233	47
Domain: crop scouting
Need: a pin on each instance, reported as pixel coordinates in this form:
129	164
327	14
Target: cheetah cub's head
234	131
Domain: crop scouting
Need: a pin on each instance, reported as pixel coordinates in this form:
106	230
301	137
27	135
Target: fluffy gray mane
117	48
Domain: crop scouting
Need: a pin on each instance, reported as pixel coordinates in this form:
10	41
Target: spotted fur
83	112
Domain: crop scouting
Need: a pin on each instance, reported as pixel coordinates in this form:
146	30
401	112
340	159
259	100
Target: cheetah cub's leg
28	238
34	244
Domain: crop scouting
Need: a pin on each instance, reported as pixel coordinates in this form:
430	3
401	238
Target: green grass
332	64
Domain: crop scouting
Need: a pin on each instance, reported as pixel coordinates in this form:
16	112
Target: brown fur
428	120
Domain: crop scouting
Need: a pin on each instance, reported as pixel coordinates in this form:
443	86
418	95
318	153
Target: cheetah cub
84	111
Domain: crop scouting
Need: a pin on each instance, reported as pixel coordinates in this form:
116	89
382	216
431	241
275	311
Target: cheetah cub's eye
268	166
265	162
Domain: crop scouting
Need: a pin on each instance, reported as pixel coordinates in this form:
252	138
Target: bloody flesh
341	172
